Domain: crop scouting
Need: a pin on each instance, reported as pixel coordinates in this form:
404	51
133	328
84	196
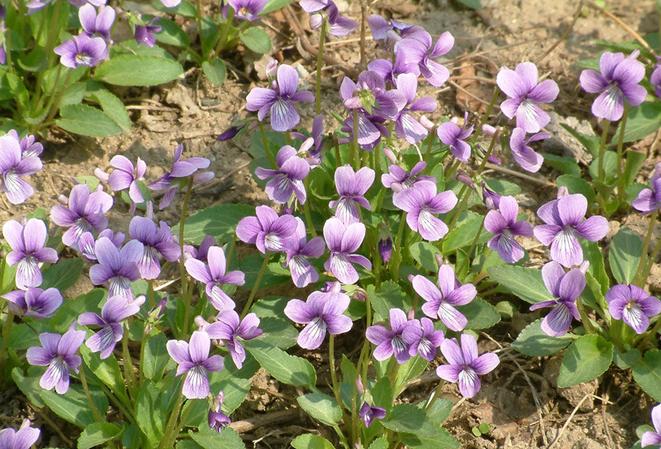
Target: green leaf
610	167
217	221
274	5
589	141
534	342
136	70
587	358
215	71
71	308
112	106
563	164
424	253
430	438
87	121
405	418
472	4
73	407
576	184
29	386
98	433
73	94
379	443
480	314
409	371
226	439
642	121
311	441
171	34
152	409
647	373
592	253
286	368
155	356
624	255
63	274
633	164
464	233
390	295
321	407
256	40
526	283
503	187
107	370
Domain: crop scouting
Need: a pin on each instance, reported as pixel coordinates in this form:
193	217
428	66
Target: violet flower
441	299
114	311
523	154
298	250
145	34
157	242
616	82
339	25
244	9
455	137
287	179
214	275
170	3
389	70
27	243
652	438
87	242
29	145
216	418
96	23
490	198
421	202
343	241
116	267
317	136
389	340
649	200
34	302
406	126
232	330
15	165
465	366
565	221
58	353
127	176
655	78
385	249
201	252
390	31
322	312
279	101
524	94
351	186
422	338
419	49
194	360
633	305
368	413
565	288
504	225
23	438
398	179
82	50
266	229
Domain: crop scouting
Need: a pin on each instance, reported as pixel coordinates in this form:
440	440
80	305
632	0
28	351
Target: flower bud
229	133
490	198
217	419
385	249
390	155
464	178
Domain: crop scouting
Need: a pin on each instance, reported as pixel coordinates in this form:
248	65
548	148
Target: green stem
602	150
488	111
620	156
4	344
265	144
396	258
320	64
185	294
129	373
475	240
642	265
171	429
338	156
331	367
224	31
95	411
363	34
306	208
355	158
585	319
255	287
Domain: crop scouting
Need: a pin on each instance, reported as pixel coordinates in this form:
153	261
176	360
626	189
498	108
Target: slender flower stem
255	287
4	344
396	258
363	34
355	157
320	64
642	265
265	144
602	149
484	117
95	411
475	240
331	367
338	156
620	156
171	429
186	292
585	319
306	209
129	373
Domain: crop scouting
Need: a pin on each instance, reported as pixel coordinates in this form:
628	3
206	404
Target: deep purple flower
455	137
14	166
214	275
322	312
368	413
82	50
389	70
201	252
504	225
649	200
343	241
406	126
266	229
490	198
34	302
23	438
421	202
465	366
85	213
441	300
27	243
145	34
398	179
633	305
298	250
114	311
565	288
96	23
419	49
422	338
385	249
652	438
390	341
127	176
244	9
232	330
390	31
279	101
157	242
117	267
523	154
617	80
524	94
194	360
565	222
287	179
655	78
216	418
58	353
351	186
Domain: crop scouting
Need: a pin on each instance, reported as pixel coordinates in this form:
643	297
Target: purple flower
27	243
58	353
455	137
465	366
214	276
490	198
390	30
232	330
368	413
194	360
170	3
85	213
96	23
419	49
565	222
287	179
652	438
245	9
421	203
655	78
649	200
617	80
117	267
398	179
279	100
87	242
633	305
201	252
266	230
441	300
322	312
339	25
524	94
390	341
389	70
504	225
351	186
114	311
146	34
565	288
29	145
14	166
385	249
317	136
422	338
34	302
23	438
343	241
217	419
157	242
127	176
523	154
406	125
82	50
298	250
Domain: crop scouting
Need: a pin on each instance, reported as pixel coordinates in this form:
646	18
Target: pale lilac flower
233	330
29	145
145	34
34	302
194	360
419	49
389	70
502	222
633	305
343	241
244	9
490	198
116	267
389	341
455	137
157	242
298	250
465	366
322	312
406	126
59	354
565	288
523	154
27	243
214	275
170	3
113	313
655	78
313	148
287	179
653	438
94	22
201	252
524	94
421	204
423	339
649	200
87	242
441	299
15	164
279	101
351	186
127	176
368	413
339	25
216	418
398	179
82	51
266	229
23	438
617	80
565	222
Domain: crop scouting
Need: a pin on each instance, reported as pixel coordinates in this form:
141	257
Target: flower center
83	59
